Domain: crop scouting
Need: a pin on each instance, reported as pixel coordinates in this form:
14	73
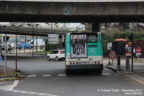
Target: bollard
127	64
118	63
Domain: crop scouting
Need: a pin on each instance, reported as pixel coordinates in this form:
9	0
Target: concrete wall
77	0
27	8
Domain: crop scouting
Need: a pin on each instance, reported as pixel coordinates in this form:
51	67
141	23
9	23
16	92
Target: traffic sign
112	54
128	54
138	51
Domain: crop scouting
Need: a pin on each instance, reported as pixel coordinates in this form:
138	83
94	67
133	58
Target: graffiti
68	9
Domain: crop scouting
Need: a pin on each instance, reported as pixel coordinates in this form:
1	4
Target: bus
84	51
118	45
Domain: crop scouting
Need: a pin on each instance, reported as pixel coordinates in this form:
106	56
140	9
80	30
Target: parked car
56	54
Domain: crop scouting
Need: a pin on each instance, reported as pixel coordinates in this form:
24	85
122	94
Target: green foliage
116	34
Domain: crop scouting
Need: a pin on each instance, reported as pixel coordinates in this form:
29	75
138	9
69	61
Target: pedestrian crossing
57	75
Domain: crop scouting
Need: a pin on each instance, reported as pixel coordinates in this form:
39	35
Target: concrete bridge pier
95	27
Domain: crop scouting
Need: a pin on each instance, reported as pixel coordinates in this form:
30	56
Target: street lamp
36	37
16	44
5	51
33	25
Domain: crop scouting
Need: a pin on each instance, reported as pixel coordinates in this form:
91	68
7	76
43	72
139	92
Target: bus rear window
92	38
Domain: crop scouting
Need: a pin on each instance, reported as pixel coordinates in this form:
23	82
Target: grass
8	79
10	76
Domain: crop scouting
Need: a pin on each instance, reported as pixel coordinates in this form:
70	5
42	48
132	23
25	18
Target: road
43	78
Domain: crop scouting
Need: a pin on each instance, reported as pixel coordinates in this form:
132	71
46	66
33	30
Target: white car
56	54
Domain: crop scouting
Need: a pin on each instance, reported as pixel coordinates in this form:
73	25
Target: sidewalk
137	75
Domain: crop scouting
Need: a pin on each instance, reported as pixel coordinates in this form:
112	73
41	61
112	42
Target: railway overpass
31	31
93	11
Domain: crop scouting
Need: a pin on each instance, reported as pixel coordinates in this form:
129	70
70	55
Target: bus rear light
70	62
95	62
98	62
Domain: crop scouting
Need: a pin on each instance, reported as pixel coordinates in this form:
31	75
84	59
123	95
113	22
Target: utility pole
5	54
32	25
5	51
16	53
16	68
132	53
132	46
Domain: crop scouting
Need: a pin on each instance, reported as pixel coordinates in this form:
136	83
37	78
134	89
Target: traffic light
7	38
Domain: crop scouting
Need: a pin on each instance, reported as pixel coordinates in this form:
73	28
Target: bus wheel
68	72
99	72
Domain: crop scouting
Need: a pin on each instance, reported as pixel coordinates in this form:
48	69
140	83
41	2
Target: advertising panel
53	38
78	45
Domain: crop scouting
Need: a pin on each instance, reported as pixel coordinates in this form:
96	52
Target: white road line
47	75
33	93
10	88
106	74
137	80
61	75
31	76
14	84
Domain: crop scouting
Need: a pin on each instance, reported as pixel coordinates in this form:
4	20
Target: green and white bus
84	51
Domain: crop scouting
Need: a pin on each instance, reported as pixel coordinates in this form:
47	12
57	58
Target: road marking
137	79
47	75
61	75
10	88
33	93
31	76
106	74
14	84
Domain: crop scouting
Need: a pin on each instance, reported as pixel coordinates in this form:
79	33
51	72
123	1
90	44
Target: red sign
128	54
138	50
112	54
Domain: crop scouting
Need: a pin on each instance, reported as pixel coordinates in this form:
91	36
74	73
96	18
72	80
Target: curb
16	76
112	68
133	77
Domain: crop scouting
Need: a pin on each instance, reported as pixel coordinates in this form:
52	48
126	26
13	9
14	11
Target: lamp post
16	45
32	25
5	51
36	37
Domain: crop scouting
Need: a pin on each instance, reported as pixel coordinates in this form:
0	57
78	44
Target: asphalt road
43	78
